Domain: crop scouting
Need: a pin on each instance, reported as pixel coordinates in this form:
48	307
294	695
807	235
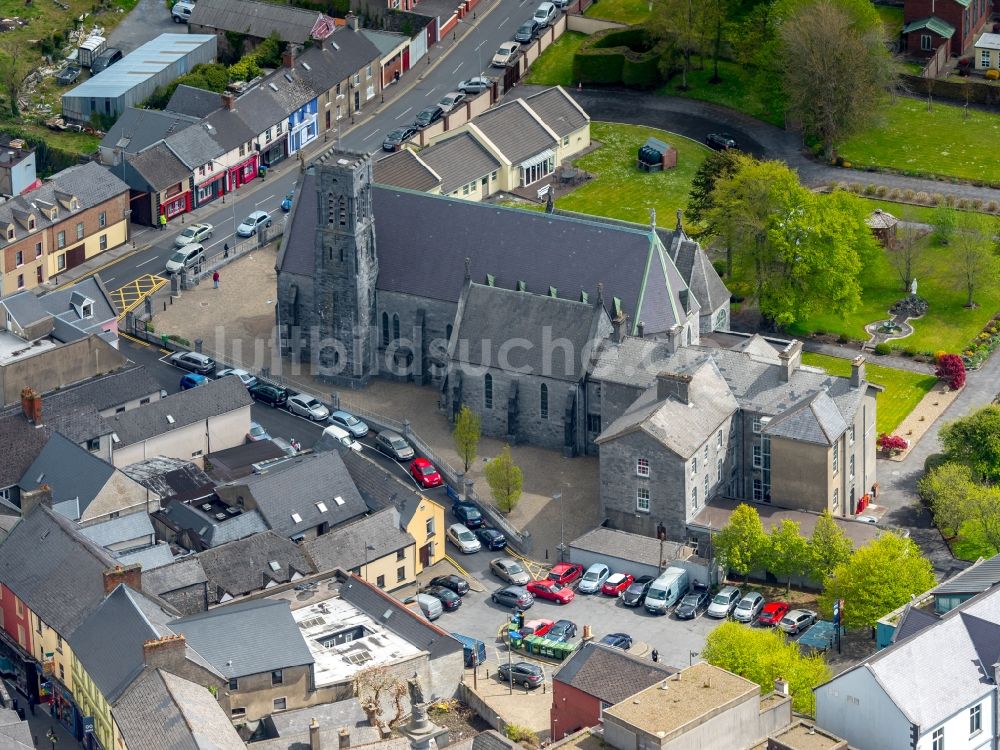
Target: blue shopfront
64	709
302	126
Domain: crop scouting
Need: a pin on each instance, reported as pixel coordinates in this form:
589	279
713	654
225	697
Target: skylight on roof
338	500
273	565
321	506
272	87
170	419
297	518
306	65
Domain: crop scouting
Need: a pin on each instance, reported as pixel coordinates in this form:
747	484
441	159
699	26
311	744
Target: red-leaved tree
951	369
892	444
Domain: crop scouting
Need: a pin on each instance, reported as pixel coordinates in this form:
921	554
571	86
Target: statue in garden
416	690
913	286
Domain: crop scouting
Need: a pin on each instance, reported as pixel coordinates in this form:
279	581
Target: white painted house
933	689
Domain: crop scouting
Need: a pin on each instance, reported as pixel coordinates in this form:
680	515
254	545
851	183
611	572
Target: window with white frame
852	434
758	490
718	439
642	467
850	464
706	485
836	458
757	462
694	466
976	719
718	470
984	58
925	46
836	498
704	456
642	500
756	425
694	497
937	739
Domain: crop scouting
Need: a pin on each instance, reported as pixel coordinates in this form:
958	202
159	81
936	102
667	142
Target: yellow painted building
426	525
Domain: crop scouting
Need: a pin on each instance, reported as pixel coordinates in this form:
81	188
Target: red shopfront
243	173
176	204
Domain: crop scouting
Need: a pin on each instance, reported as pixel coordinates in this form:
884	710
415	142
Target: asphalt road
148	20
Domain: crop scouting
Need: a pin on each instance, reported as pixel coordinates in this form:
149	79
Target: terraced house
75	215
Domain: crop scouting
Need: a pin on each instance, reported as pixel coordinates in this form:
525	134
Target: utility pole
557	497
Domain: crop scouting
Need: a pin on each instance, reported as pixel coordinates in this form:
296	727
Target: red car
772	613
553	590
616	584
565	573
424	472
537	627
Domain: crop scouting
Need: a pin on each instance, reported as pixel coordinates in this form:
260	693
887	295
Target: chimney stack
352	20
130	575
31	499
167	653
669	385
640	329
791	360
229	100
676	337
857	371
288	57
343	739
31	405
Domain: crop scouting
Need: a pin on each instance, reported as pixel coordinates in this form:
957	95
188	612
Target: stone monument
421	731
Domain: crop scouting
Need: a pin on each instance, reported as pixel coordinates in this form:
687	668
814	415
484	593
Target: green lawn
903	389
621	191
739	89
948	325
909	212
555	65
942	142
630	12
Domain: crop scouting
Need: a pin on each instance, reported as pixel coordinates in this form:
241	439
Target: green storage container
531	643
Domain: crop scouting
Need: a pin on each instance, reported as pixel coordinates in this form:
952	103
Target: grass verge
739	89
555	65
629	12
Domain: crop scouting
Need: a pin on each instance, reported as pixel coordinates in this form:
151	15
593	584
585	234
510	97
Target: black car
448	598
694	601
491	539
635	594
720	141
428	116
527	31
105	60
468	515
396	138
68	75
618	640
456	583
523	673
563	630
271	395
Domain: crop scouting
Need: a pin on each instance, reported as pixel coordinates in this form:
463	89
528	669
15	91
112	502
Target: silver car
724	602
194	233
307	406
749	607
594	578
510	570
462	538
394	445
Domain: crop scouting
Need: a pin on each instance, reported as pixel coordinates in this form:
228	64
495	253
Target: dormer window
10	232
31	223
87	310
74	204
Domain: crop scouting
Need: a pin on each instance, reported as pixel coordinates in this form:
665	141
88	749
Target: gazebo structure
883	226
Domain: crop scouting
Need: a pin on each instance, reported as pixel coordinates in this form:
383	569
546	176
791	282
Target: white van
335	434
666	590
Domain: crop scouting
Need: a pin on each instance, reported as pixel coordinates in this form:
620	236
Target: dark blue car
468	515
491	538
192	380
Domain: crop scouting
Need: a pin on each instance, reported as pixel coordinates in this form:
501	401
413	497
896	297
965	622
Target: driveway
148	20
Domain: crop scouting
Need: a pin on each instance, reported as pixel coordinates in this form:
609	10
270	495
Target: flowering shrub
892	444
951	369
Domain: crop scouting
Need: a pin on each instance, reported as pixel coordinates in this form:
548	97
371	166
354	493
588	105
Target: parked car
429	605
187	257
192	380
749	607
523	673
666	590
468	514
194	233
562	631
505	54
545	14
720	141
475	84
510	570
594	578
448	598
491	539
393	445
618	640
773	613
536	627
424	473
451	100
396	138
271	395
560	3
527	31
68	75
254	222
634	595
257	433
695	601
310	407
181	12
464	539
616	584
551	590
456	583
105	60
513	596
428	116
349	422
286	202
193	361
724	602
797	621
337	437
248	380
565	573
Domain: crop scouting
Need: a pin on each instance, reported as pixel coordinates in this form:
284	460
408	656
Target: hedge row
628	56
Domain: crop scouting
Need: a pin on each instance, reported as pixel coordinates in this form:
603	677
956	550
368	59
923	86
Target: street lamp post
557	497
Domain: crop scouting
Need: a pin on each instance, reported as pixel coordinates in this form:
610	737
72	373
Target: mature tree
741	543
946	489
787	552
11	75
682	22
466	435
828	547
716	27
717	164
943	222
879	577
974	255
906	252
504	478
372	687
798	252
975	442
835	70
762	656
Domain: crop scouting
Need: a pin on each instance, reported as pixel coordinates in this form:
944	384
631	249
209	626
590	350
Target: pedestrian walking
656	655
163	222
875	491
215	279
225	250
